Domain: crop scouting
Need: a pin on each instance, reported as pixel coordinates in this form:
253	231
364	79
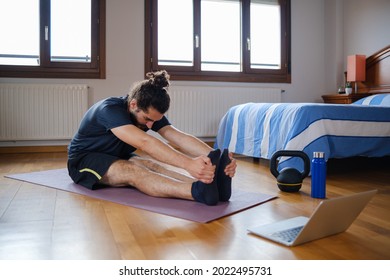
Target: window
52	38
219	40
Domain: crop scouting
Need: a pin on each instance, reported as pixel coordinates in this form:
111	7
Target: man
101	152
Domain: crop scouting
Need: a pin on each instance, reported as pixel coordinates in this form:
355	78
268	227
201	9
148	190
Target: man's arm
199	167
193	146
187	143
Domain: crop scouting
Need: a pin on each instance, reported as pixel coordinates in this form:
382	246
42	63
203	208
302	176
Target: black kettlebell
289	179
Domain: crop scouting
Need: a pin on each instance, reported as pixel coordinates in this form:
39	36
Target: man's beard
135	122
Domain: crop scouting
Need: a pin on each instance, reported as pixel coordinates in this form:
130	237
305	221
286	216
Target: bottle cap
318	154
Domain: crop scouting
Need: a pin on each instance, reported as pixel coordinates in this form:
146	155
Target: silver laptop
331	216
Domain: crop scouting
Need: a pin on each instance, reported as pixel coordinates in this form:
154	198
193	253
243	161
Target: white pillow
375	100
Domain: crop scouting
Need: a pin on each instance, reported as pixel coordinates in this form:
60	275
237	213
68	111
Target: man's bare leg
124	173
161	169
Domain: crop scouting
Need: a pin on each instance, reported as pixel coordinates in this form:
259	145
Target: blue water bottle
318	175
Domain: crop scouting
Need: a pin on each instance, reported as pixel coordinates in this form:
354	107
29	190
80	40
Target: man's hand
202	169
230	169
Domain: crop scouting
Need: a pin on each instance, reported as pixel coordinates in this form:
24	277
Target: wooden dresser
343	98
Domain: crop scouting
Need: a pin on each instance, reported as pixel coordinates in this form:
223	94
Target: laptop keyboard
288	235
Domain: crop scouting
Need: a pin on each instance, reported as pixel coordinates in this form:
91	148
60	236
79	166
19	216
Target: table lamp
356	69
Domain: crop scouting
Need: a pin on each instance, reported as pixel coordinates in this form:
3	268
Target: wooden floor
42	223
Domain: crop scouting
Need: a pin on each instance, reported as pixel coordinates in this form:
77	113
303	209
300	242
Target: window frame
95	69
194	73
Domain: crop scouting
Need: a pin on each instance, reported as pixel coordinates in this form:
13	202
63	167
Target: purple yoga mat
185	209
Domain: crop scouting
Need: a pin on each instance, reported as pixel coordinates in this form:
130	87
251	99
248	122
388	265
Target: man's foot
215	156
205	193
224	181
208	193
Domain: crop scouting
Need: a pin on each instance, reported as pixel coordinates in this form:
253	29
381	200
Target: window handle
46	33
248	44
196	41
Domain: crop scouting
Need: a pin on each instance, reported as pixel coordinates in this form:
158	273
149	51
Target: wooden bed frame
377	73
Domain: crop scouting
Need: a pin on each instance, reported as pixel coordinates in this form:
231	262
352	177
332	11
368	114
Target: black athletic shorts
88	168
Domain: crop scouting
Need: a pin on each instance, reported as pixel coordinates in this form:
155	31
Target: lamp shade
356	68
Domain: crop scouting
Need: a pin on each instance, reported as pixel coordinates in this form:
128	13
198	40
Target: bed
359	129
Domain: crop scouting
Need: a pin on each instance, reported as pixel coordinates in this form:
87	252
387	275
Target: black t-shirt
94	133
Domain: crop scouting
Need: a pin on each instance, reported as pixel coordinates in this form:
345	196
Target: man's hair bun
159	79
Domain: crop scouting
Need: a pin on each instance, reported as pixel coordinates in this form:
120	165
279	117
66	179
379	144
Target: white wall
323	33
307	51
366	26
334	45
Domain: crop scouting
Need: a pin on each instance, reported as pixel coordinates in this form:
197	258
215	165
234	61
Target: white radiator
198	110
41	111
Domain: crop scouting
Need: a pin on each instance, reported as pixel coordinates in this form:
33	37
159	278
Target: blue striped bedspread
260	129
